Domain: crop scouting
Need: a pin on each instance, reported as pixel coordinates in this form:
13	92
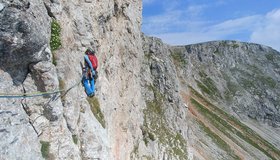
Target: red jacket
93	61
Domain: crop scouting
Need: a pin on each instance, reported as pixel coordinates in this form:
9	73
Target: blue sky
180	22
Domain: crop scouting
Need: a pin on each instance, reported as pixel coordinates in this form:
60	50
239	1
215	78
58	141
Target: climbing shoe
92	94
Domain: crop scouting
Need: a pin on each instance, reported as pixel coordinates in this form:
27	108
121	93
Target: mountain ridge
153	100
193	75
244	42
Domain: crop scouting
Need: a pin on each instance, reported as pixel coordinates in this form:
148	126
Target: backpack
93	61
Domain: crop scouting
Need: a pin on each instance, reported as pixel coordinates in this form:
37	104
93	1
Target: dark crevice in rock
23	27
120	11
48	8
20	6
55	1
4	130
102	21
28	112
68	125
15	140
24	105
199	57
116	8
6	112
123	7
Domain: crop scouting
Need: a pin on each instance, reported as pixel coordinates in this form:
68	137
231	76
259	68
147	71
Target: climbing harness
37	94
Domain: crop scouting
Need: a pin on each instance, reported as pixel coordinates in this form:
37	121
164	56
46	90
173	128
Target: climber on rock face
89	72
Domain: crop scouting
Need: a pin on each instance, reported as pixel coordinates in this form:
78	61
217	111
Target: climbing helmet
90	51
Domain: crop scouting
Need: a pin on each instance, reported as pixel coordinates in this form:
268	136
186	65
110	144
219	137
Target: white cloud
164	22
174	19
219	31
234	26
179	25
268	32
195	10
186	37
262	29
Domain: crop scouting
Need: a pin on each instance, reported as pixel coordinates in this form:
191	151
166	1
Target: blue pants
89	86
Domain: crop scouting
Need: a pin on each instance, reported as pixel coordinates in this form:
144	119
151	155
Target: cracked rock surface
142	108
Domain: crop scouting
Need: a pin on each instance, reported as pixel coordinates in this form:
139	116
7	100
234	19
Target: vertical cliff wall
112	28
63	126
216	100
221	97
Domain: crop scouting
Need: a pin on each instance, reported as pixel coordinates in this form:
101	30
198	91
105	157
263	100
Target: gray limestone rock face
243	75
18	138
239	78
142	107
64	123
164	128
25	31
20	44
112	28
30	124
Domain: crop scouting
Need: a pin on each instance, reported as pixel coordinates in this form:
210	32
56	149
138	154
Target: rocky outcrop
209	84
239	78
164	128
112	28
244	77
24	39
25	30
63	126
153	101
